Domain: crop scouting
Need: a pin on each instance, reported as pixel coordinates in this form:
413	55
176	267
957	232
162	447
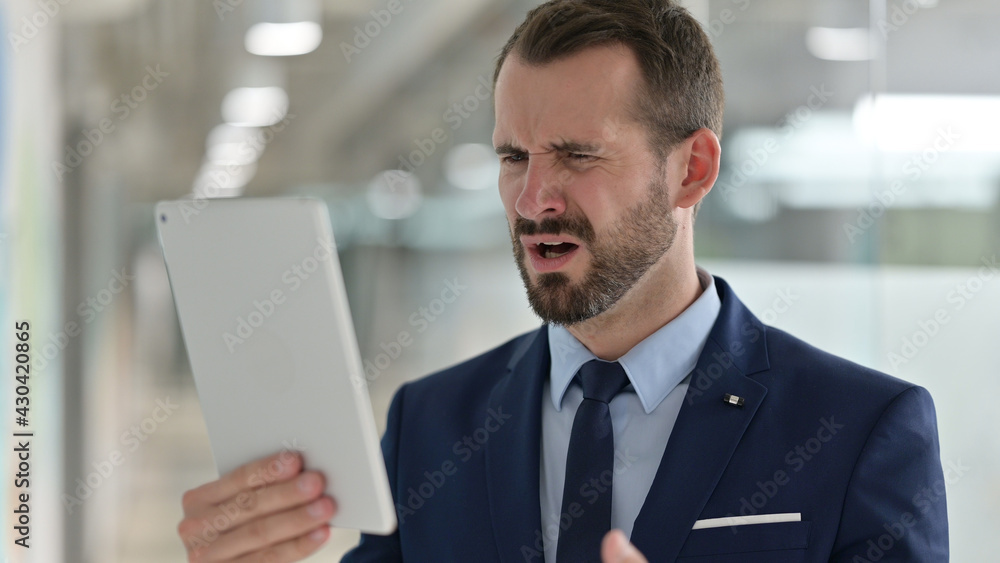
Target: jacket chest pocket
780	542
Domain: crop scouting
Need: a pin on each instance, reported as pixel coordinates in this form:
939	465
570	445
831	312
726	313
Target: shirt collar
654	366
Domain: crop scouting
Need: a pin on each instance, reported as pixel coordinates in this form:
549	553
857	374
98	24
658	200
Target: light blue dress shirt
642	415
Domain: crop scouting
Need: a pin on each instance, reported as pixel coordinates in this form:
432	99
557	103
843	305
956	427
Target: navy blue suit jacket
852	450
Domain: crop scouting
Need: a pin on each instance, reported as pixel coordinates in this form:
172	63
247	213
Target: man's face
587	202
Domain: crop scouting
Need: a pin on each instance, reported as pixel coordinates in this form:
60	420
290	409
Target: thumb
616	549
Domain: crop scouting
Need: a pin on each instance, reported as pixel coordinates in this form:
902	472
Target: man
652	402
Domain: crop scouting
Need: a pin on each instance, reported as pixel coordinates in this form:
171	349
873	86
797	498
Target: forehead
585	96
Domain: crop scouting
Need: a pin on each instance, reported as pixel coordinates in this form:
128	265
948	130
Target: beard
619	258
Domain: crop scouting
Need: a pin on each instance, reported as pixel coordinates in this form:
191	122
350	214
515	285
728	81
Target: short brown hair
683	84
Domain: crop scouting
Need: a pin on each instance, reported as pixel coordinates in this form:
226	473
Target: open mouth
554	249
551	255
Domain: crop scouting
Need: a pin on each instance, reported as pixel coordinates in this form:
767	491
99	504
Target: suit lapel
513	453
706	432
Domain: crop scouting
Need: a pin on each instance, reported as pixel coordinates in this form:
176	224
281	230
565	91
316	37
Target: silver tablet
262	308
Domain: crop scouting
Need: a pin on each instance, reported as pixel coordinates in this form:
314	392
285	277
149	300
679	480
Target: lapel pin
732	400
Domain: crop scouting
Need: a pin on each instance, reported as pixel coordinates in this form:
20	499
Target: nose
542	192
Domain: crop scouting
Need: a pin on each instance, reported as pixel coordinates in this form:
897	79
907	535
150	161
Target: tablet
263	311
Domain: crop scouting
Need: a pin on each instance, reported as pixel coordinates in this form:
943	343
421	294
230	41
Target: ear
698	159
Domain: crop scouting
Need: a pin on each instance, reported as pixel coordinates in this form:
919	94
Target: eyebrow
508	148
575	146
563	146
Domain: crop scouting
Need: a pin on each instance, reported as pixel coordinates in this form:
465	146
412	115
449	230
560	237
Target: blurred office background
858	209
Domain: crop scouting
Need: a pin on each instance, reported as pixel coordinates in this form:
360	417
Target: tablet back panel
264	314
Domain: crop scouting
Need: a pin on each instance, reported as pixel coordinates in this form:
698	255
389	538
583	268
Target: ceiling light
255	107
283	39
919	122
215	180
231	144
839	43
472	166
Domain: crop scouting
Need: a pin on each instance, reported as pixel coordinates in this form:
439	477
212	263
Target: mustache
578	227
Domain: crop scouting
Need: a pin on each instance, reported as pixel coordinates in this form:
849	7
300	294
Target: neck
658	298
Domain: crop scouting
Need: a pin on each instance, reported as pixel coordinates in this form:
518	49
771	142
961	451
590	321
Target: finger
269	531
206	525
256	474
615	548
611	546
291	550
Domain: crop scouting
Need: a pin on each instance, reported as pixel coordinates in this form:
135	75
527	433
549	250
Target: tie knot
602	380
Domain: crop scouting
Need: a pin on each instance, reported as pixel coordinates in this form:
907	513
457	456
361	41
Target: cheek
603	212
597	201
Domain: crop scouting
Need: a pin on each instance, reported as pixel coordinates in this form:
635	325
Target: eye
514	158
579	157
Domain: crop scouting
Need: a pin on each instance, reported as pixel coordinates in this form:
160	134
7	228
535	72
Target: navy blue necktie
586	502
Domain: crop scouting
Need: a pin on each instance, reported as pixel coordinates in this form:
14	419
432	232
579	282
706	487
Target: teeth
548	249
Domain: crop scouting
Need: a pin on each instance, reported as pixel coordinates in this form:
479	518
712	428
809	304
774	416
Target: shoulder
801	373
794	369
470	380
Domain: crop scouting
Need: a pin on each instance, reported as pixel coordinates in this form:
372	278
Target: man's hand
616	549
268	510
